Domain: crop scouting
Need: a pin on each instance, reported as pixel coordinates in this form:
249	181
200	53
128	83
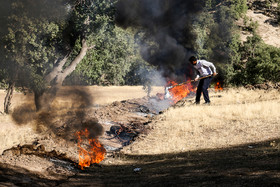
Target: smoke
64	116
169	38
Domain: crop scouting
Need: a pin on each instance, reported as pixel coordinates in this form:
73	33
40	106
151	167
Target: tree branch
56	70
67	71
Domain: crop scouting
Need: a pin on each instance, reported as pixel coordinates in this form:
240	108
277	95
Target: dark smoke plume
168	23
65	115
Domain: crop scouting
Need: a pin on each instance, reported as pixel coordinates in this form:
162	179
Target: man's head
193	60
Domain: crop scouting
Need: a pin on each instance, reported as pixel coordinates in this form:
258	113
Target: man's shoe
207	103
196	103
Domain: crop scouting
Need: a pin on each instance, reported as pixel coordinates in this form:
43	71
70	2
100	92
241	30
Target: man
204	69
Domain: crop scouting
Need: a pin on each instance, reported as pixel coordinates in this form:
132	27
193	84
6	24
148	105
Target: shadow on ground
256	164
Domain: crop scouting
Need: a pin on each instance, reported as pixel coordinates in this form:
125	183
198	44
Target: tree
29	43
109	63
46	41
216	40
258	63
264	66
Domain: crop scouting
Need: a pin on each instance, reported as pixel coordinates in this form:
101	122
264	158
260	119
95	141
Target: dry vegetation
12	134
106	95
100	95
267	29
236	117
235	140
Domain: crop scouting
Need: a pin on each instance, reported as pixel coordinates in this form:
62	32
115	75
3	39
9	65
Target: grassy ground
234	141
235	117
99	95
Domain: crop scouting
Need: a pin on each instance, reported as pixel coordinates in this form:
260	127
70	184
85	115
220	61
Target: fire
218	87
181	91
94	153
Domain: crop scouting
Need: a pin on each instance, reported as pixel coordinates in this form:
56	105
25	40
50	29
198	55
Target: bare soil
44	144
268	28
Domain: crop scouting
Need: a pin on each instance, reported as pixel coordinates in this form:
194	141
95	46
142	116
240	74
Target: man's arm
211	65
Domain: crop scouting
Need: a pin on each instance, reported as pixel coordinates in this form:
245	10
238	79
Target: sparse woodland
100	68
80	43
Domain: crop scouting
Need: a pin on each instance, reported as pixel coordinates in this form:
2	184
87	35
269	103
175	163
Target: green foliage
140	73
217	40
259	63
264	66
35	40
202	28
214	34
211	4
249	24
31	43
269	3
238	8
234	45
109	61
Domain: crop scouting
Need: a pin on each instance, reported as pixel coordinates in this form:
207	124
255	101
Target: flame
94	153
218	87
181	91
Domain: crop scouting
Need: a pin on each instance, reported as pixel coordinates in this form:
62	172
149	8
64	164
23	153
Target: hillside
268	28
121	136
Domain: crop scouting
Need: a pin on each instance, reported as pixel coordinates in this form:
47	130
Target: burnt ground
246	165
53	154
51	159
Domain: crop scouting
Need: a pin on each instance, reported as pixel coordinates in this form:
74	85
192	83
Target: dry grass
99	95
106	95
236	116
12	134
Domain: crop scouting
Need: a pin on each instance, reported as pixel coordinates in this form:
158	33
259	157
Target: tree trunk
8	97
56	70
44	99
68	70
37	100
58	74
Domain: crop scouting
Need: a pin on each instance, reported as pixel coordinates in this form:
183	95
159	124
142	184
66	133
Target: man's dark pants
203	86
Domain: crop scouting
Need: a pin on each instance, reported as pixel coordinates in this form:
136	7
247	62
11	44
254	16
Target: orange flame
94	154
181	91
218	87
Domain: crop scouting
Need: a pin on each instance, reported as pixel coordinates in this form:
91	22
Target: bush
239	7
259	63
264	65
